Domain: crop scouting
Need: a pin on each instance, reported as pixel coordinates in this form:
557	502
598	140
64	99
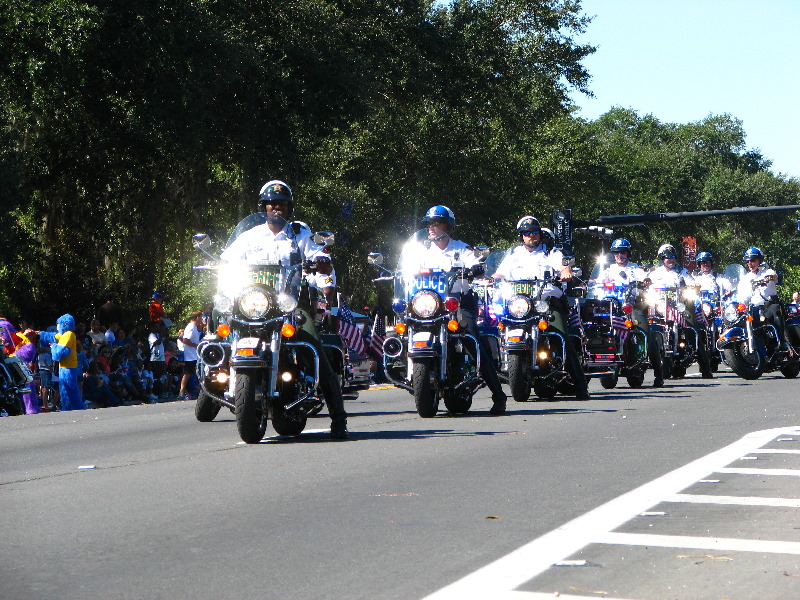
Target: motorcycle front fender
732	336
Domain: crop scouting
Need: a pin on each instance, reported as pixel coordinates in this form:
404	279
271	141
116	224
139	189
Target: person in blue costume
63	349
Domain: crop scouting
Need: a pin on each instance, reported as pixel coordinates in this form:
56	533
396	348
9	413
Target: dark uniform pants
468	317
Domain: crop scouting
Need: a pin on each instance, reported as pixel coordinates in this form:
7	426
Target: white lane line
547	596
734	500
775	451
735	471
699	543
525	563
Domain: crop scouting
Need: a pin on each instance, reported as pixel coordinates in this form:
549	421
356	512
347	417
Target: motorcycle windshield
734	273
234	276
416	275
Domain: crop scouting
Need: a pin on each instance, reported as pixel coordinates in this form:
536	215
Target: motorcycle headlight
286	302
731	314
690	294
707	309
223	304
680	306
519	306
254	303
425	304
542	306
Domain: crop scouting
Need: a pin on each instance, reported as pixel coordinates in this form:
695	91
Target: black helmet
276	190
528	223
667	251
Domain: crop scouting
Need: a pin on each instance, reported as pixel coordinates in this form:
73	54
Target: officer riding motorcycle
755	340
265	357
539	269
714	289
439	331
631	280
672	287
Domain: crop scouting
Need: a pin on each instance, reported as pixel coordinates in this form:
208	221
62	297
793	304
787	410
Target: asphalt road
688	491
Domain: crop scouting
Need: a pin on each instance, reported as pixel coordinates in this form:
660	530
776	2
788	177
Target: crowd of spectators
121	366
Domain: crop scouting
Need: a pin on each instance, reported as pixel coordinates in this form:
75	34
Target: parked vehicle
15	377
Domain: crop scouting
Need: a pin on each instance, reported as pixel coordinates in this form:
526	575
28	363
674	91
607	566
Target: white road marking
784	472
499	578
699	543
734	500
775	451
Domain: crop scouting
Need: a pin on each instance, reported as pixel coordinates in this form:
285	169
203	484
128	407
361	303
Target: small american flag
673	314
348	330
378	335
575	319
700	316
619	327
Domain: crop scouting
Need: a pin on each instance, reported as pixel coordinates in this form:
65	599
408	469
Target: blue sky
681	60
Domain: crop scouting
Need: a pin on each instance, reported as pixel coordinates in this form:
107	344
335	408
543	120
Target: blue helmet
440	213
704	257
752	253
621	245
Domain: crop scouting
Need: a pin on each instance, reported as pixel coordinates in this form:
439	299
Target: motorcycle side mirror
375	258
324	238
481	252
577	272
201	241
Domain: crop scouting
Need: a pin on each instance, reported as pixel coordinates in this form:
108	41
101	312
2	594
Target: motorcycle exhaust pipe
392	347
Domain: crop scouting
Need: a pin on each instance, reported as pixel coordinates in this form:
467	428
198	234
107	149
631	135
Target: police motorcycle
752	346
15	379
678	341
613	339
252	363
533	356
431	356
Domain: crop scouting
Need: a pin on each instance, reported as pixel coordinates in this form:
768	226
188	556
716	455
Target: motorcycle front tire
425	396
745	365
518	376
251	418
206	408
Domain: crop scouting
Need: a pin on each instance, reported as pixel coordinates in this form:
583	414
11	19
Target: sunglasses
532	232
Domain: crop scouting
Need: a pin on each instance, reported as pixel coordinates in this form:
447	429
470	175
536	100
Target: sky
682	60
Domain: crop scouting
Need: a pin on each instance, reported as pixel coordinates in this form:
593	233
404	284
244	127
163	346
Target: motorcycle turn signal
452	325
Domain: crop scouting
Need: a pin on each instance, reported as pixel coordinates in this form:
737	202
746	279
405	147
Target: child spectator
96	391
44	362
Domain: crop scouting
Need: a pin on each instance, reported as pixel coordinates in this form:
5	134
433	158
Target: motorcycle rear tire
678	371
251	418
544	391
791	370
609	382
425	395
518	377
457	403
635	380
285	424
206	408
745	365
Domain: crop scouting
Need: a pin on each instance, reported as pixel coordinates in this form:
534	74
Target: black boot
339	427
498	404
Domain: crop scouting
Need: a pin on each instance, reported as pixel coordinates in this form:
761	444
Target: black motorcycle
253	362
677	340
753	346
432	356
15	379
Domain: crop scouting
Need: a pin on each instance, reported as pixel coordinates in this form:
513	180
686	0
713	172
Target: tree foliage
128	126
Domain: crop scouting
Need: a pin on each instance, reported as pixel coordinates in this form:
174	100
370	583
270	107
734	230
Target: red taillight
451	304
627	309
741	307
609	285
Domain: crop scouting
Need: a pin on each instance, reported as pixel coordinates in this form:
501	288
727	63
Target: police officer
621	273
671	275
281	241
708	279
441	251
764	296
531	259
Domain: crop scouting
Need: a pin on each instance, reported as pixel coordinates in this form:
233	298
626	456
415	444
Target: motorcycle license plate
431	281
515	335
247	346
266	276
422	340
525	287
